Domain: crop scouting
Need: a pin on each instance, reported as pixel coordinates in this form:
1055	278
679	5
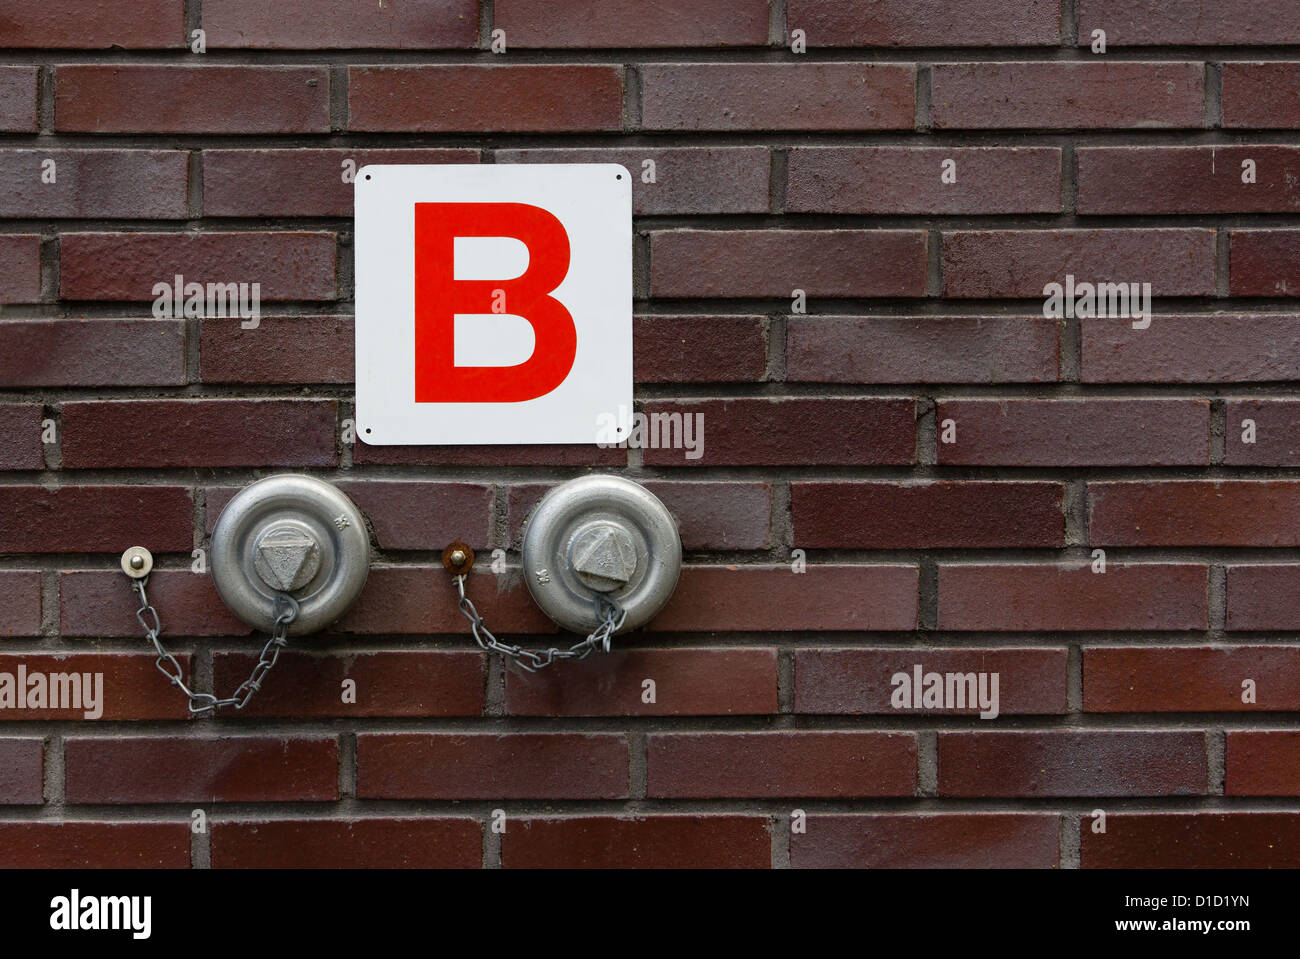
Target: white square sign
494	303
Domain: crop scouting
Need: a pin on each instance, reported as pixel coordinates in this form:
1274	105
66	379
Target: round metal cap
601	536
293	534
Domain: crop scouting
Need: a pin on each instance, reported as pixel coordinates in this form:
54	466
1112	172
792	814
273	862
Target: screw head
604	556
457	557
137	562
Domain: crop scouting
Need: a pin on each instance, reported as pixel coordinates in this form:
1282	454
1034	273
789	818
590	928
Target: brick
699	349
165	98
126	266
928	23
21	772
20	268
444	842
297	181
303	25
206	432
1020	263
687	180
422	516
624	23
638	842
130	688
156	769
778	96
1261	96
492	766
94	845
20	436
710	515
95	519
906	180
751	432
1189	679
1192	840
763	598
1264	262
1189	22
1272	440
1263	597
860	681
1192	179
477	98
688	682
364	454
1027	598
928	515
1061	95
421	599
1195	513
1262	762
1214	348
282	350
94	604
1092	763
20	602
772	263
91	352
18	99
122	184
1092	432
942	841
68	24
780	764
834	349
391	683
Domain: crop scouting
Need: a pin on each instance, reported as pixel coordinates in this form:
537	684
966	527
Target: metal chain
287	608
531	660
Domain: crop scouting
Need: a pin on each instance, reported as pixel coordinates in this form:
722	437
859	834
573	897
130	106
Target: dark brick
94	604
21	773
422	516
1263	597
1262	762
625	23
421	599
926	23
445	842
131	687
1195	513
20	268
1264	262
638	842
94	845
1189	22
20	602
94	519
1188	179
18	99
304	25
70	24
121	184
699	349
283	349
20	436
1189	679
1192	840
98	352
364	454
1261	95
942	841
1273	442
1214	348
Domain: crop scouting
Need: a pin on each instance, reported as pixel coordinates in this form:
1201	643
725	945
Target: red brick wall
1120	691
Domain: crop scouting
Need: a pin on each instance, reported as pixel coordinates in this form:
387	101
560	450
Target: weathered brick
1264	262
283	349
1073	763
859	681
1092	432
1020	263
156	769
161	433
931	841
94	845
780	764
699	349
754	263
20	436
444	842
1269	425
297	181
1261	95
94	519
625	23
786	431
421	599
122	184
20	602
1066	95
21	773
1187	840
18	99
130	688
304	25
778	96
69	24
612	457
928	515
93	604
1189	679
638	842
166	98
126	266
830	597
687	180
1195	513
1026	598
1190	22
492	766
1214	348
688	682
20	268
1263	597
482	98
92	352
1188	179
1262	762
927	23
391	683
906	180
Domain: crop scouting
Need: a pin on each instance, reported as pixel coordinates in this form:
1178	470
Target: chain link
287	612
612	618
